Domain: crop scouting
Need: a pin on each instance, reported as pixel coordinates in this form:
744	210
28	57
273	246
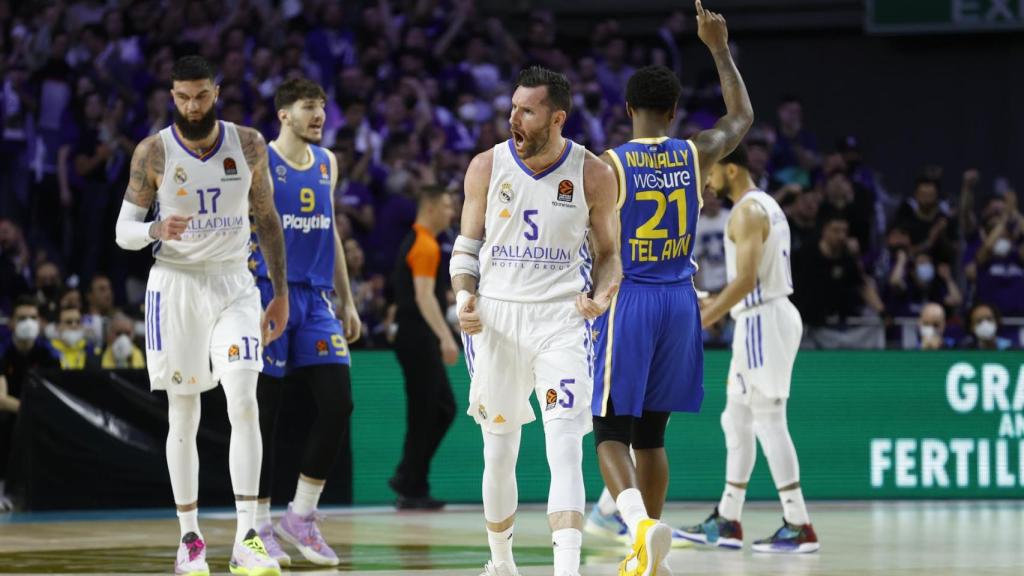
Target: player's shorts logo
180	177
483	412
565	189
321	348
505	192
551	398
233	353
176	378
230	169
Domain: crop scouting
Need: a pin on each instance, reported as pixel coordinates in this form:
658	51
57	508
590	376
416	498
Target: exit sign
924	16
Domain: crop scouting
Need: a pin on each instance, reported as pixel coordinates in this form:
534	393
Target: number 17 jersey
659	201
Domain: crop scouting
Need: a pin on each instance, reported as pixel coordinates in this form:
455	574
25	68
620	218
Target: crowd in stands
416	88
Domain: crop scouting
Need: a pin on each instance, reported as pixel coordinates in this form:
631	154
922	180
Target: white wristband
461	298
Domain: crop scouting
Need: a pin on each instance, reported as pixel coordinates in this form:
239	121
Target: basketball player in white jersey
765	343
202	177
521	272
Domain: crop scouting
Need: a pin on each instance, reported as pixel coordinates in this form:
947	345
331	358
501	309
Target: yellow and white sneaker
250	558
650	551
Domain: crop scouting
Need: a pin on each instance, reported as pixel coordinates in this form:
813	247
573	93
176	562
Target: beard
534	143
306	134
197	130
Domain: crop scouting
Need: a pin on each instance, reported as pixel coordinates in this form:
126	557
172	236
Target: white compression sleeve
132	231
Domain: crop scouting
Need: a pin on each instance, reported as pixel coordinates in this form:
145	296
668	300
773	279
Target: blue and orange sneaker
790	539
715	531
609	526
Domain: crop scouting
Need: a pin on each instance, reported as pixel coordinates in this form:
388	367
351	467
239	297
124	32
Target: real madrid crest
505	192
180	177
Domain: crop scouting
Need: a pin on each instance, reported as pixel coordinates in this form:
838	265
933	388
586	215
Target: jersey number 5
533	232
651	229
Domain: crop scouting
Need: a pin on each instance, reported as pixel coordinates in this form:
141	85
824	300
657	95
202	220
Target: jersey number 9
308	199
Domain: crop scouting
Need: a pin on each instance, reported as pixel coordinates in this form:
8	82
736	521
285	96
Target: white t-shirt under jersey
774	277
214	190
535	230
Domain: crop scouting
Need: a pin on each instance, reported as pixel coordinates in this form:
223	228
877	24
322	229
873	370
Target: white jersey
214	190
535	230
774	277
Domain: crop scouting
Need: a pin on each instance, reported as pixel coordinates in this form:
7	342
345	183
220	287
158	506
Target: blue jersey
659	199
303	199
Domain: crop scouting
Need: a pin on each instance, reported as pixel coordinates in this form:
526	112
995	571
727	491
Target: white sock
189	522
246	510
566	544
631	506
262	514
307	496
794	510
730	506
606	504
501	546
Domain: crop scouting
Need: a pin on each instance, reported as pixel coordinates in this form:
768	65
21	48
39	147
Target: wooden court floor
858	538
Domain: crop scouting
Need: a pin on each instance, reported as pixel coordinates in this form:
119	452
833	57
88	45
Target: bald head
933	314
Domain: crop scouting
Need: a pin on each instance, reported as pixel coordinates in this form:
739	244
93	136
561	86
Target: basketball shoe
790	539
715	531
250	558
650	551
273	547
192	556
303	533
609	526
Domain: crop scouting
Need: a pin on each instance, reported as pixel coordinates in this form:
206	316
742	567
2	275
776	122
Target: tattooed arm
147	170
268	229
261	204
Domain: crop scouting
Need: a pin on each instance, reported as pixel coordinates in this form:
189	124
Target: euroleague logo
565	189
551	397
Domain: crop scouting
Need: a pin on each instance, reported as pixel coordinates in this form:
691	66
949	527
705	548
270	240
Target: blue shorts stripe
760	348
749	341
149	319
159	340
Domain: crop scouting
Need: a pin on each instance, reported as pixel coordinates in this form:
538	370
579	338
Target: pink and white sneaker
192	556
273	547
303	533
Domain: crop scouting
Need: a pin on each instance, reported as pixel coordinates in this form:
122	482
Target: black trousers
430	407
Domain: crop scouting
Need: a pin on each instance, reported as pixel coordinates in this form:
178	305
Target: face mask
51	332
1002	247
468	112
927	332
27	329
72	337
926	272
985	330
122	347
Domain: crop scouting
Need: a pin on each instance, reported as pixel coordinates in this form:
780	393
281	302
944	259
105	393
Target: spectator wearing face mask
984	327
915	282
931	326
75	352
994	259
121	352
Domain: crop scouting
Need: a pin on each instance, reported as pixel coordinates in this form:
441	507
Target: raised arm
268	230
465	265
601	185
748	228
727	133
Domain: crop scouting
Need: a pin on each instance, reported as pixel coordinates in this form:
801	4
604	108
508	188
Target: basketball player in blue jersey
649	349
314	346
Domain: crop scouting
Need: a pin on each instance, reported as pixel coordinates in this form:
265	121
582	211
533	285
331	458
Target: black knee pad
649	430
613	428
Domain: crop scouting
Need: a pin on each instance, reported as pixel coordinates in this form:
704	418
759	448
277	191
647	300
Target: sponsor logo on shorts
505	192
234	355
180	176
483	412
192	380
499	419
565	189
551	398
322	348
230	169
594	333
176	378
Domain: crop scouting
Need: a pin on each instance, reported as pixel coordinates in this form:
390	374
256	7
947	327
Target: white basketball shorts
202	321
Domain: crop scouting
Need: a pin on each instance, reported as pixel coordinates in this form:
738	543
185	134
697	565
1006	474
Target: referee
423	341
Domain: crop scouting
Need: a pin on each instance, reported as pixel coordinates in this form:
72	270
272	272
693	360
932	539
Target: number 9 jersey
659	201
